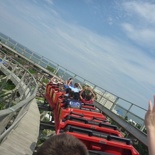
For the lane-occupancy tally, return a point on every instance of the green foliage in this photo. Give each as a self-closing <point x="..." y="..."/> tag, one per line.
<point x="46" y="119"/>
<point x="138" y="126"/>
<point x="40" y="98"/>
<point x="44" y="134"/>
<point x="126" y="118"/>
<point x="145" y="131"/>
<point x="42" y="137"/>
<point x="141" y="149"/>
<point x="51" y="69"/>
<point x="32" y="71"/>
<point x="9" y="85"/>
<point x="45" y="80"/>
<point x="1" y="106"/>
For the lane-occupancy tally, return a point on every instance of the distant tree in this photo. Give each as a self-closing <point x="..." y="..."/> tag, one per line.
<point x="51" y="69"/>
<point x="138" y="126"/>
<point x="126" y="118"/>
<point x="141" y="149"/>
<point x="145" y="131"/>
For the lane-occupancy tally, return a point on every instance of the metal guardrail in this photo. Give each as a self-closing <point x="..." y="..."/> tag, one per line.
<point x="25" y="85"/>
<point x="118" y="105"/>
<point x="140" y="136"/>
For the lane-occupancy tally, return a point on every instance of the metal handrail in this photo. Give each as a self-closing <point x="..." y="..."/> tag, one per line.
<point x="15" y="113"/>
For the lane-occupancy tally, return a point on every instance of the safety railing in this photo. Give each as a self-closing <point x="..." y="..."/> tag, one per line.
<point x="118" y="105"/>
<point x="15" y="106"/>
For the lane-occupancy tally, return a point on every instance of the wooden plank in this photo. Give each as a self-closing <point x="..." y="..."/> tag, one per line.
<point x="22" y="140"/>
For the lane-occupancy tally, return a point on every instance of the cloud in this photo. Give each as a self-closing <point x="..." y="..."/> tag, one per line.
<point x="142" y="9"/>
<point x="141" y="27"/>
<point x="144" y="36"/>
<point x="49" y="1"/>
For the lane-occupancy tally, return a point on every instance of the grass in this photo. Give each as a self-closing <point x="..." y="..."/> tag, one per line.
<point x="32" y="71"/>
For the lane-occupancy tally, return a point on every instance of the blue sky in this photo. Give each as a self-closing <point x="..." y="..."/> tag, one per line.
<point x="109" y="42"/>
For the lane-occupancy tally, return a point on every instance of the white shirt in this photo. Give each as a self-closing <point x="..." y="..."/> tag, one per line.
<point x="76" y="90"/>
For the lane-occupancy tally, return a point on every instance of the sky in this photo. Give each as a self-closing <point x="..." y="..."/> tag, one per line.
<point x="109" y="42"/>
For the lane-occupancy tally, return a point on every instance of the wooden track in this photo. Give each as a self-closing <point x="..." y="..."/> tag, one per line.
<point x="22" y="140"/>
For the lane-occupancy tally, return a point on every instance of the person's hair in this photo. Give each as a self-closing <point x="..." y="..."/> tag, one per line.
<point x="68" y="90"/>
<point x="83" y="94"/>
<point x="71" y="94"/>
<point x="62" y="144"/>
<point x="76" y="95"/>
<point x="76" y="85"/>
<point x="88" y="97"/>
